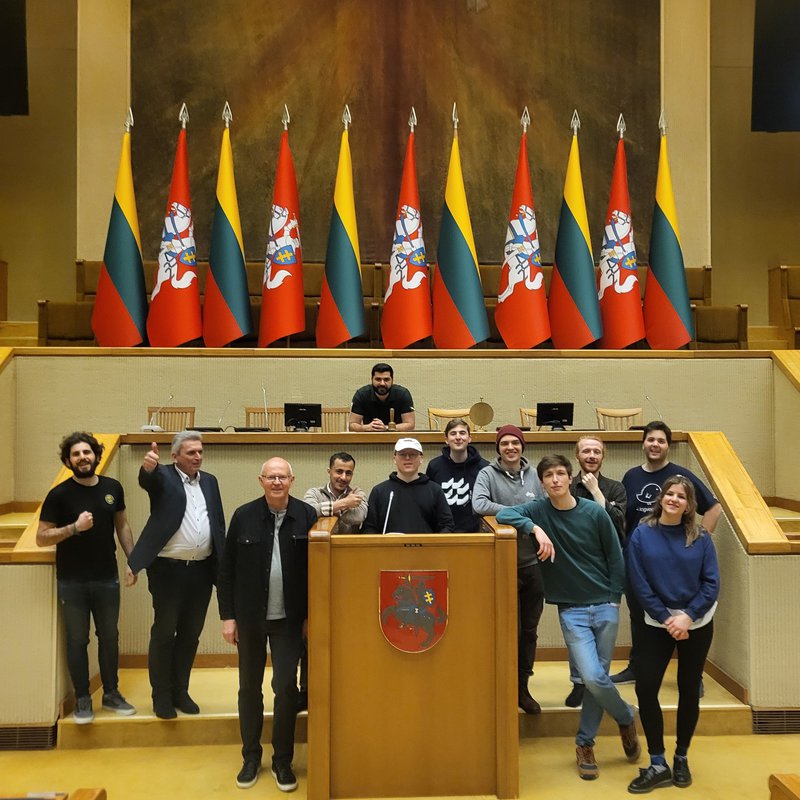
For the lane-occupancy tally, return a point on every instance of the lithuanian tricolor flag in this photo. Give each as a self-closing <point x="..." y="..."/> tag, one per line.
<point x="226" y="311"/>
<point x="459" y="313"/>
<point x="574" y="311"/>
<point x="341" y="308"/>
<point x="667" y="313"/>
<point x="120" y="311"/>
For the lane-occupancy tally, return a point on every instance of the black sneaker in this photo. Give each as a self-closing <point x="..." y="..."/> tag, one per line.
<point x="626" y="676"/>
<point x="527" y="702"/>
<point x="650" y="778"/>
<point x="575" y="697"/>
<point x="302" y="700"/>
<point x="248" y="774"/>
<point x="284" y="777"/>
<point x="83" y="713"/>
<point x="681" y="776"/>
<point x="114" y="701"/>
<point x="185" y="704"/>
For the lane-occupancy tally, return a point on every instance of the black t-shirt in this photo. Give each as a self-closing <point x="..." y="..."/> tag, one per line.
<point x="367" y="404"/>
<point x="90" y="555"/>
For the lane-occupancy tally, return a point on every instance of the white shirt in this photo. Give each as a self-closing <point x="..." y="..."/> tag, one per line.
<point x="192" y="541"/>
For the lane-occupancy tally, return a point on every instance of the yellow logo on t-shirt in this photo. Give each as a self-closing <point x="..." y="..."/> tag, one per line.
<point x="110" y="499"/>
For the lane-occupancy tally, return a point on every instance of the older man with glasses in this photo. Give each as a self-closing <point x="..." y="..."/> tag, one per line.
<point x="409" y="502"/>
<point x="263" y="598"/>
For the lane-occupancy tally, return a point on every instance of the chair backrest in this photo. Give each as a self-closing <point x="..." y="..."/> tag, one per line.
<point x="527" y="416"/>
<point x="618" y="419"/>
<point x="256" y="417"/>
<point x="720" y="327"/>
<point x="336" y="419"/>
<point x="439" y="417"/>
<point x="171" y="418"/>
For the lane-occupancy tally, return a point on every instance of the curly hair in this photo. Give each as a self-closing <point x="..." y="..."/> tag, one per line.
<point x="689" y="519"/>
<point x="68" y="442"/>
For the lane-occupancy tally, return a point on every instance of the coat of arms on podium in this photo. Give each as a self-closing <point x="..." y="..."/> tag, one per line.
<point x="412" y="608"/>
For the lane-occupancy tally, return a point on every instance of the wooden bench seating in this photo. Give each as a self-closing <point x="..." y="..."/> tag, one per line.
<point x="68" y="323"/>
<point x="784" y="302"/>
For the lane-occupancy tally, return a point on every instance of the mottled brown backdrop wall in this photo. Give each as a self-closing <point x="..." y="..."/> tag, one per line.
<point x="381" y="57"/>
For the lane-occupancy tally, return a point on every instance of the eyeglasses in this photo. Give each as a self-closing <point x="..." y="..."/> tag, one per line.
<point x="409" y="454"/>
<point x="276" y="478"/>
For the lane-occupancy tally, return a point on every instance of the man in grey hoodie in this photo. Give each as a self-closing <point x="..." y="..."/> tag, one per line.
<point x="508" y="481"/>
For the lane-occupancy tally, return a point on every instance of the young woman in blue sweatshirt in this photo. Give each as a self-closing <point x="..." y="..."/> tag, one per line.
<point x="672" y="568"/>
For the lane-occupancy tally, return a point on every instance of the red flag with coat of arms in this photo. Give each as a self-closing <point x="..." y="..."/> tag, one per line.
<point x="618" y="288"/>
<point x="282" y="301"/>
<point x="174" y="317"/>
<point x="407" y="316"/>
<point x="521" y="313"/>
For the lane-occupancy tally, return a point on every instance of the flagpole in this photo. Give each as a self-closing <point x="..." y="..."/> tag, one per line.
<point x="286" y="117"/>
<point x="183" y="116"/>
<point x="128" y="124"/>
<point x="347" y="117"/>
<point x="455" y="119"/>
<point x="227" y="116"/>
<point x="525" y="120"/>
<point x="412" y="119"/>
<point x="662" y="123"/>
<point x="575" y="122"/>
<point x="621" y="126"/>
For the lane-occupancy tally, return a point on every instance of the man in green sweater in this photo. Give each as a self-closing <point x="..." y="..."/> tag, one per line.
<point x="584" y="575"/>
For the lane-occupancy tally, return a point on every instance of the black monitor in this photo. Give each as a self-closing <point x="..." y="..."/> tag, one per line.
<point x="557" y="415"/>
<point x="302" y="416"/>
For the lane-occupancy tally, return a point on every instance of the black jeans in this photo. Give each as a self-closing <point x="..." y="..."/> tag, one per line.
<point x="181" y="593"/>
<point x="637" y="624"/>
<point x="79" y="600"/>
<point x="530" y="604"/>
<point x="655" y="648"/>
<point x="285" y="645"/>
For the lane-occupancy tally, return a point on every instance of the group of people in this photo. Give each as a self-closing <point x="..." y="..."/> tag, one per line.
<point x="582" y="542"/>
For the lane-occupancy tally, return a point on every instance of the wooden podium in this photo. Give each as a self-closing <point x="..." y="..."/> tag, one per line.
<point x="388" y="723"/>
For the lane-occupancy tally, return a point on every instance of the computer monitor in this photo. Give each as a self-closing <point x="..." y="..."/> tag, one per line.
<point x="557" y="415"/>
<point x="302" y="416"/>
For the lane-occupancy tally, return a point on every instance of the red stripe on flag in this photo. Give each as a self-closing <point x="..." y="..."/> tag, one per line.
<point x="568" y="328"/>
<point x="331" y="330"/>
<point x="449" y="329"/>
<point x="220" y="326"/>
<point x="663" y="325"/>
<point x="111" y="322"/>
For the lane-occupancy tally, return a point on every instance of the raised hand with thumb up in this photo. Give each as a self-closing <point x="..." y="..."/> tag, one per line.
<point x="151" y="458"/>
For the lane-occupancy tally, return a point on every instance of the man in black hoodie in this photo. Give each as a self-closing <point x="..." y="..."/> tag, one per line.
<point x="455" y="471"/>
<point x="408" y="502"/>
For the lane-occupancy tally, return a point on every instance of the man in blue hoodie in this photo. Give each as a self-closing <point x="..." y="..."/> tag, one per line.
<point x="455" y="470"/>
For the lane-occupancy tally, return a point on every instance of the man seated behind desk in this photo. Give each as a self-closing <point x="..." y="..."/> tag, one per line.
<point x="408" y="502"/>
<point x="373" y="402"/>
<point x="338" y="498"/>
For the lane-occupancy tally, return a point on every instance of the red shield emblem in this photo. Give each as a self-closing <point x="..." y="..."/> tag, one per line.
<point x="412" y="608"/>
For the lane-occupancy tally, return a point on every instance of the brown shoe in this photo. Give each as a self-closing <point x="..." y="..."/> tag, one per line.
<point x="527" y="702"/>
<point x="630" y="741"/>
<point x="587" y="766"/>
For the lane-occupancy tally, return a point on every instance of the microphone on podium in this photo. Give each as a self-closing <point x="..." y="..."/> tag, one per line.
<point x="151" y="426"/>
<point x="388" y="509"/>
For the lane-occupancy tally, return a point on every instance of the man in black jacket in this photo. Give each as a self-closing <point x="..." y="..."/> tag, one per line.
<point x="263" y="597"/>
<point x="408" y="502"/>
<point x="180" y="547"/>
<point x="455" y="471"/>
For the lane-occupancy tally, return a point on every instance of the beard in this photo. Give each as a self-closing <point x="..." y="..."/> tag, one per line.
<point x="84" y="471"/>
<point x="381" y="390"/>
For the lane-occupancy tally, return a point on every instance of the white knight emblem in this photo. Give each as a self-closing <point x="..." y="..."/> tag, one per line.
<point x="408" y="251"/>
<point x="618" y="257"/>
<point x="282" y="246"/>
<point x="522" y="257"/>
<point x="177" y="250"/>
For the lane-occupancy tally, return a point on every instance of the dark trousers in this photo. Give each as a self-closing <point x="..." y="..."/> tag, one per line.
<point x="181" y="592"/>
<point x="637" y="624"/>
<point x="530" y="604"/>
<point x="100" y="600"/>
<point x="285" y="644"/>
<point x="655" y="650"/>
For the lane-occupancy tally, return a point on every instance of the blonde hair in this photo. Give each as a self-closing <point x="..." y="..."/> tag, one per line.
<point x="689" y="518"/>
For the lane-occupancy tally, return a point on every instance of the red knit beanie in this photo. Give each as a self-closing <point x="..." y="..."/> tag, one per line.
<point x="509" y="430"/>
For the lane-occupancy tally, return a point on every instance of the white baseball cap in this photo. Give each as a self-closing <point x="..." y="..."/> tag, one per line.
<point x="407" y="443"/>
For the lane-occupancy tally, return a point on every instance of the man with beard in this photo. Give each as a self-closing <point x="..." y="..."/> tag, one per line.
<point x="455" y="470"/>
<point x="338" y="498"/>
<point x="80" y="517"/>
<point x="591" y="484"/>
<point x="372" y="403"/>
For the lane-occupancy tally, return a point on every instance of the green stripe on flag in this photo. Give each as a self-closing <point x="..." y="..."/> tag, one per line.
<point x="344" y="276"/>
<point x="229" y="275"/>
<point x="666" y="262"/>
<point x="460" y="275"/>
<point x="124" y="264"/>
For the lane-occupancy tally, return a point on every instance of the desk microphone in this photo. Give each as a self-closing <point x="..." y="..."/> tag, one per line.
<point x="219" y="421"/>
<point x="388" y="509"/>
<point x="650" y="400"/>
<point x="264" y="393"/>
<point x="151" y="426"/>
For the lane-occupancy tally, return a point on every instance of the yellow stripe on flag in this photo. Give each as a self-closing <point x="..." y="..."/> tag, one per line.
<point x="226" y="187"/>
<point x="343" y="198"/>
<point x="123" y="191"/>
<point x="665" y="198"/>
<point x="455" y="198"/>
<point x="573" y="191"/>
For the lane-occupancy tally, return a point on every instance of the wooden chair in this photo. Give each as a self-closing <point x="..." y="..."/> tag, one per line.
<point x="439" y="417"/>
<point x="336" y="419"/>
<point x="618" y="419"/>
<point x="719" y="327"/>
<point x="256" y="417"/>
<point x="527" y="417"/>
<point x="171" y="418"/>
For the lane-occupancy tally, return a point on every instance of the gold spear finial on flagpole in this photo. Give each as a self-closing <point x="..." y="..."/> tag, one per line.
<point x="575" y="123"/>
<point x="129" y="120"/>
<point x="183" y="116"/>
<point x="412" y="119"/>
<point x="525" y="119"/>
<point x="347" y="117"/>
<point x="621" y="126"/>
<point x="455" y="118"/>
<point x="227" y="116"/>
<point x="286" y="117"/>
<point x="662" y="123"/>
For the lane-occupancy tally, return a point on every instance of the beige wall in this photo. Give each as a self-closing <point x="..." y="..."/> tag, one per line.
<point x="8" y="416"/>
<point x="787" y="454"/>
<point x="38" y="163"/>
<point x="754" y="176"/>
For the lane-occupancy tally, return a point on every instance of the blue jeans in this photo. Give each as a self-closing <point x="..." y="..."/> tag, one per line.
<point x="590" y="633"/>
<point x="79" y="600"/>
